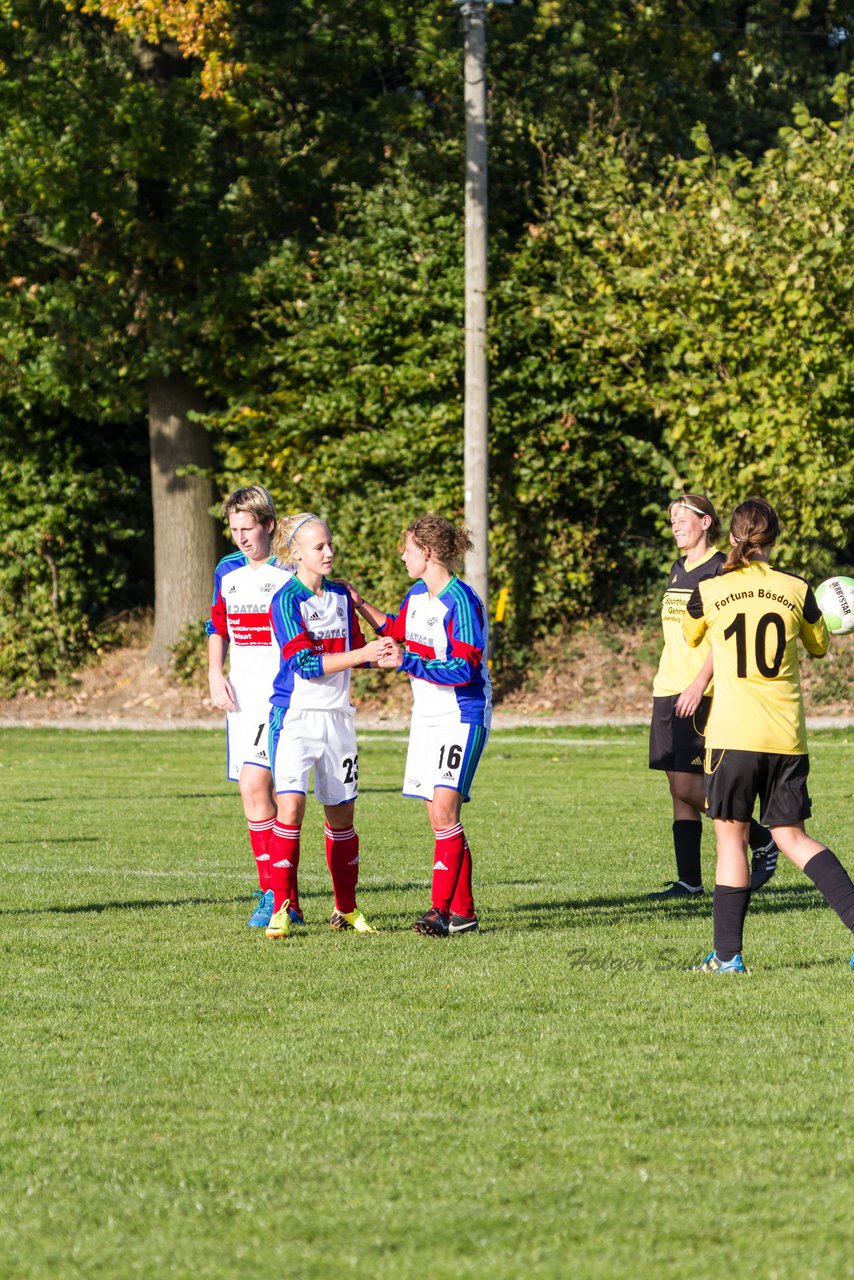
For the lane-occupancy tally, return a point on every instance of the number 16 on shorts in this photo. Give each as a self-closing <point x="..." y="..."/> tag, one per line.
<point x="442" y="755"/>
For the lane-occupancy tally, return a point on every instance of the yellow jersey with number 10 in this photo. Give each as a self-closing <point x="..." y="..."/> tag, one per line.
<point x="753" y="618"/>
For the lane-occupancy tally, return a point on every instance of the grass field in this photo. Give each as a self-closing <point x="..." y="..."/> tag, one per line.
<point x="555" y="1097"/>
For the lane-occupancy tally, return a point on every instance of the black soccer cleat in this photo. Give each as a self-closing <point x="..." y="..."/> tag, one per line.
<point x="433" y="924"/>
<point x="463" y="924"/>
<point x="677" y="890"/>
<point x="763" y="864"/>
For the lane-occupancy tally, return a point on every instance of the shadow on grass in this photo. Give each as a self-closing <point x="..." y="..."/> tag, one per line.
<point x="84" y="908"/>
<point x="44" y="840"/>
<point x="196" y="795"/>
<point x="567" y="913"/>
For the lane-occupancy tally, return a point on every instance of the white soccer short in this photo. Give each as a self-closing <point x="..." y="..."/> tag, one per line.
<point x="246" y="733"/>
<point x="442" y="753"/>
<point x="324" y="741"/>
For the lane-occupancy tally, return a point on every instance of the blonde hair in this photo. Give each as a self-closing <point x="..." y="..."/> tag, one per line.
<point x="288" y="534"/>
<point x="755" y="527"/>
<point x="448" y="543"/>
<point x="255" y="500"/>
<point x="701" y="506"/>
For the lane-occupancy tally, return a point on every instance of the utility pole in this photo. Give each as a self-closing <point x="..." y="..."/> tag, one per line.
<point x="476" y="448"/>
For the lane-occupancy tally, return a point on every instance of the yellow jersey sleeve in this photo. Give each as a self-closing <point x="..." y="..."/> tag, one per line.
<point x="814" y="634"/>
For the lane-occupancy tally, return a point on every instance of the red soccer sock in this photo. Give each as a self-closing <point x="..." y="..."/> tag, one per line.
<point x="342" y="858"/>
<point x="462" y="903"/>
<point x="259" y="839"/>
<point x="284" y="861"/>
<point x="447" y="863"/>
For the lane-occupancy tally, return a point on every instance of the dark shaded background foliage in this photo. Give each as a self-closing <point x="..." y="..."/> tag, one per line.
<point x="670" y="303"/>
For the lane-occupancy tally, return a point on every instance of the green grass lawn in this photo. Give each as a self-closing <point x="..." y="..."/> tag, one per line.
<point x="554" y="1097"/>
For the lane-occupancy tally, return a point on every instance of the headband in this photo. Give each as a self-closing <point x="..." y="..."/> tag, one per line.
<point x="306" y="520"/>
<point x="682" y="502"/>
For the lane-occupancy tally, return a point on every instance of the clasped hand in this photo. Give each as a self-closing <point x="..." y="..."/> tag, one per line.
<point x="383" y="651"/>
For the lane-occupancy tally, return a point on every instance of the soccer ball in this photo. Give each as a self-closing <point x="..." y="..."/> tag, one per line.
<point x="836" y="600"/>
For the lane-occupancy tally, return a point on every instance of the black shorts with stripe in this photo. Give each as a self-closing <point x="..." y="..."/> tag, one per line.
<point x="734" y="780"/>
<point x="676" y="743"/>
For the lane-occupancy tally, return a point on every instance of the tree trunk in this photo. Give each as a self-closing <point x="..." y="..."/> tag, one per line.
<point x="185" y="534"/>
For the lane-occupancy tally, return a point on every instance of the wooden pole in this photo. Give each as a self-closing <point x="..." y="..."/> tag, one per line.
<point x="476" y="422"/>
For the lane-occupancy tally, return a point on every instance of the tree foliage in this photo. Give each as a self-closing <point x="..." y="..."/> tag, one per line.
<point x="717" y="303"/>
<point x="266" y="205"/>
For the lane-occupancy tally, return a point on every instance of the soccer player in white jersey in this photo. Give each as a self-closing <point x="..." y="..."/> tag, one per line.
<point x="440" y="636"/>
<point x="311" y="724"/>
<point x="245" y="582"/>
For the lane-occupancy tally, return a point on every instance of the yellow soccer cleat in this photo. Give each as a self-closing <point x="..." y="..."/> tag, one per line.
<point x="280" y="921"/>
<point x="341" y="921"/>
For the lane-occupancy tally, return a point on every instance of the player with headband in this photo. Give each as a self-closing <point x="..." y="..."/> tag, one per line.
<point x="681" y="701"/>
<point x="311" y="723"/>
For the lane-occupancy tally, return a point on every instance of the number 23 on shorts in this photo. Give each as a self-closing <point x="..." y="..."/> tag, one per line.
<point x="350" y="765"/>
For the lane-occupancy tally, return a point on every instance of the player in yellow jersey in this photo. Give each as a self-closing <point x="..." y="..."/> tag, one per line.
<point x="681" y="701"/>
<point x="753" y="616"/>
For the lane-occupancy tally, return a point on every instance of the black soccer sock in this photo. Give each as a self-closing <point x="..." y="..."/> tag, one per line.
<point x="759" y="837"/>
<point x="730" y="908"/>
<point x="687" y="839"/>
<point x="833" y="881"/>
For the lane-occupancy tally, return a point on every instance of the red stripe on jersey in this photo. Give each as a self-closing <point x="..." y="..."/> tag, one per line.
<point x="296" y="645"/>
<point x="466" y="651"/>
<point x="337" y="644"/>
<point x="422" y="650"/>
<point x="396" y="627"/>
<point x="459" y="648"/>
<point x="357" y="640"/>
<point x="332" y="644"/>
<point x="219" y="619"/>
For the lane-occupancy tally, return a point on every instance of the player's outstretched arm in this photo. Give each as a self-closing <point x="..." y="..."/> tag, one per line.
<point x="375" y="617"/>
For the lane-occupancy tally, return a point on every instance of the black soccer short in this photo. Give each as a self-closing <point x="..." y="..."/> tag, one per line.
<point x="734" y="779"/>
<point x="676" y="743"/>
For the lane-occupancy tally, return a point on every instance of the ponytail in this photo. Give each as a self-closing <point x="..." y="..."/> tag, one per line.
<point x="754" y="527"/>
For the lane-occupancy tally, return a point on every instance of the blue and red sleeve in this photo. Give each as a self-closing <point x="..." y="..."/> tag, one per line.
<point x="464" y="630"/>
<point x="357" y="640"/>
<point x="395" y="623"/>
<point x="298" y="650"/>
<point x="217" y="624"/>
